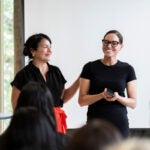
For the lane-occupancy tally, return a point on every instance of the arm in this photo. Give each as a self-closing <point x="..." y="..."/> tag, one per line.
<point x="14" y="97"/>
<point x="129" y="101"/>
<point x="70" y="92"/>
<point x="84" y="97"/>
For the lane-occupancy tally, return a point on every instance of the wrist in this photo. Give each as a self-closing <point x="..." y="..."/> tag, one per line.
<point x="102" y="95"/>
<point x="118" y="97"/>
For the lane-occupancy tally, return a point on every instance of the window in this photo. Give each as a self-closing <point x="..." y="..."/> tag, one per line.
<point x="6" y="56"/>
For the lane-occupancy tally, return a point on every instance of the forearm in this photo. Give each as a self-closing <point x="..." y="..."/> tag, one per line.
<point x="13" y="103"/>
<point x="89" y="99"/>
<point x="70" y="92"/>
<point x="129" y="102"/>
<point x="14" y="97"/>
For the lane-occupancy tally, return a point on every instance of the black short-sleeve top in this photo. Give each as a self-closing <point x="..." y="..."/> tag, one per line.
<point x="113" y="77"/>
<point x="55" y="80"/>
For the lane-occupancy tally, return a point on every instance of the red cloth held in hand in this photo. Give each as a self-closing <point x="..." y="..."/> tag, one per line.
<point x="60" y="119"/>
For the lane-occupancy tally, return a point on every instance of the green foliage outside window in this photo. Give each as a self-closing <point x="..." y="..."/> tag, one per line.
<point x="8" y="51"/>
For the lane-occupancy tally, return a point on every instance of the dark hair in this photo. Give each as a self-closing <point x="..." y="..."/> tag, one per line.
<point x="37" y="95"/>
<point x="32" y="43"/>
<point x="117" y="33"/>
<point x="29" y="129"/>
<point x="95" y="135"/>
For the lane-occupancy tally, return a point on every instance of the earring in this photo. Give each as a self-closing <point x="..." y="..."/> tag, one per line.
<point x="33" y="55"/>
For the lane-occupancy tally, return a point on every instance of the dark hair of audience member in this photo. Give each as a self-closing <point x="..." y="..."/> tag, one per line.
<point x="95" y="135"/>
<point x="29" y="129"/>
<point x="37" y="95"/>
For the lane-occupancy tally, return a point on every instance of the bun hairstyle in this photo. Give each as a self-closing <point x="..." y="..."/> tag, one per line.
<point x="32" y="43"/>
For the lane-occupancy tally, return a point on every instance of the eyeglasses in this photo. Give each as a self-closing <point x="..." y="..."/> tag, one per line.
<point x="113" y="43"/>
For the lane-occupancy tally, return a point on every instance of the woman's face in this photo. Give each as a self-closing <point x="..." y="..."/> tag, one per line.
<point x="111" y="45"/>
<point x="43" y="51"/>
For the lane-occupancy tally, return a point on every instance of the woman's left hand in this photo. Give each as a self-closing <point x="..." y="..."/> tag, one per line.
<point x="110" y="98"/>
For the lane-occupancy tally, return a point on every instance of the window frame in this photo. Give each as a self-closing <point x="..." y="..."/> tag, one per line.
<point x="1" y="56"/>
<point x="19" y="61"/>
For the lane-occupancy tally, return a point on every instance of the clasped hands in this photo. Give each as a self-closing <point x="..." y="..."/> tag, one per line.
<point x="109" y="98"/>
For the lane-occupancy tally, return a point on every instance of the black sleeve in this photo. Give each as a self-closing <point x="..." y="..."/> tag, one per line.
<point x="86" y="71"/>
<point x="61" y="75"/>
<point x="19" y="80"/>
<point x="131" y="74"/>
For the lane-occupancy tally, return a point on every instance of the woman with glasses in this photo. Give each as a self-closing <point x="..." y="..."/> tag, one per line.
<point x="103" y="83"/>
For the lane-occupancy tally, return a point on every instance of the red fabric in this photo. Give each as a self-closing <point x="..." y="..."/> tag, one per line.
<point x="60" y="120"/>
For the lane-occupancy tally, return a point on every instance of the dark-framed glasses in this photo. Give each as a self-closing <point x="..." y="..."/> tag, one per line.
<point x="113" y="43"/>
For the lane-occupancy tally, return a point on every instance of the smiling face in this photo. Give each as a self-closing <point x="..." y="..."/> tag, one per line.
<point x="43" y="51"/>
<point x="111" y="45"/>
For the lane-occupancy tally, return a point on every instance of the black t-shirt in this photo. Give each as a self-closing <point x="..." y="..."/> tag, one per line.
<point x="113" y="77"/>
<point x="55" y="81"/>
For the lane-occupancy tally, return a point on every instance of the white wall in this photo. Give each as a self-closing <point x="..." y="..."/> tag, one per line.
<point x="76" y="28"/>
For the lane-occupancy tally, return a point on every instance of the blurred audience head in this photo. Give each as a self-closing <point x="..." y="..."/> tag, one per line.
<point x="133" y="143"/>
<point x="29" y="129"/>
<point x="37" y="95"/>
<point x="94" y="136"/>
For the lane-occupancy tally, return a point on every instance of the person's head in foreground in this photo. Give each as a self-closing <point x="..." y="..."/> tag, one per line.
<point x="29" y="129"/>
<point x="132" y="144"/>
<point x="37" y="95"/>
<point x="95" y="135"/>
